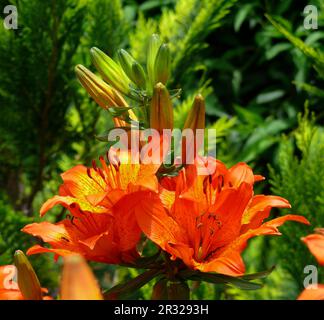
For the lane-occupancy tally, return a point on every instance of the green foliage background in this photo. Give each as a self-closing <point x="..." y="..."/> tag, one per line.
<point x="256" y="71"/>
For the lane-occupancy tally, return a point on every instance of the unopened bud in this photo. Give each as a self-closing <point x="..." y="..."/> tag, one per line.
<point x="162" y="64"/>
<point x="196" y="117"/>
<point x="153" y="48"/>
<point x="132" y="68"/>
<point x="103" y="94"/>
<point x="196" y="123"/>
<point x="161" y="112"/>
<point x="111" y="71"/>
<point x="27" y="279"/>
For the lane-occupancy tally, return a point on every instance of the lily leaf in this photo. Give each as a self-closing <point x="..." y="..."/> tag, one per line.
<point x="220" y="279"/>
<point x="121" y="291"/>
<point x="258" y="275"/>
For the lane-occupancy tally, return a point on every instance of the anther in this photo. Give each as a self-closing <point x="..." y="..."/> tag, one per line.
<point x="89" y="173"/>
<point x="94" y="165"/>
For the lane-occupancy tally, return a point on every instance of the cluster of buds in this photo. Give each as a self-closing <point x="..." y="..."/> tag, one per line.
<point x="136" y="96"/>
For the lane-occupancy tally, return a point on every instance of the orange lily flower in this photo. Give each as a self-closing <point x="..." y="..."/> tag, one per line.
<point x="315" y="244"/>
<point x="102" y="202"/>
<point x="207" y="220"/>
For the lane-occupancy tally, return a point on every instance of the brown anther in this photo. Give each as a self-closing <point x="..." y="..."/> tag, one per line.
<point x="89" y="173"/>
<point x="94" y="165"/>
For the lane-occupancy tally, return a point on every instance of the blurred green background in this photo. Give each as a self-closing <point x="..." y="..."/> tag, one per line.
<point x="263" y="80"/>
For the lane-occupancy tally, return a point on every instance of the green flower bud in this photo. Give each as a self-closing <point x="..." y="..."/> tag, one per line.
<point x="153" y="48"/>
<point x="27" y="279"/>
<point x="111" y="71"/>
<point x="162" y="64"/>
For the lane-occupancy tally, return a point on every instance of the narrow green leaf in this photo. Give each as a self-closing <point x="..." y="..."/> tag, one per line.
<point x="121" y="291"/>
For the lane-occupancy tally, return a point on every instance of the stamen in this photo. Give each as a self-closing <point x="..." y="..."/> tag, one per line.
<point x="89" y="173"/>
<point x="94" y="165"/>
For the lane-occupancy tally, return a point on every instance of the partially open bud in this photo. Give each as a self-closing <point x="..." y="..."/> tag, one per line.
<point x="162" y="64"/>
<point x="196" y="117"/>
<point x="100" y="91"/>
<point x="78" y="281"/>
<point x="111" y="71"/>
<point x="27" y="280"/>
<point x="132" y="68"/>
<point x="152" y="51"/>
<point x="161" y="112"/>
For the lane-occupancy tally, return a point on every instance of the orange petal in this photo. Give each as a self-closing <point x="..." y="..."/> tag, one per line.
<point x="157" y="224"/>
<point x="229" y="208"/>
<point x="259" y="209"/>
<point x="36" y="249"/>
<point x="55" y="234"/>
<point x="79" y="184"/>
<point x="231" y="264"/>
<point x="238" y="174"/>
<point x="258" y="178"/>
<point x="311" y="293"/>
<point x="72" y="204"/>
<point x="315" y="244"/>
<point x="229" y="257"/>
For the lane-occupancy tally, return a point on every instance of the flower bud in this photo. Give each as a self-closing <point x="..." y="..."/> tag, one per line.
<point x="78" y="281"/>
<point x="27" y="280"/>
<point x="110" y="71"/>
<point x="103" y="94"/>
<point x="162" y="64"/>
<point x="161" y="112"/>
<point x="196" y="117"/>
<point x="138" y="75"/>
<point x="132" y="68"/>
<point x="153" y="48"/>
